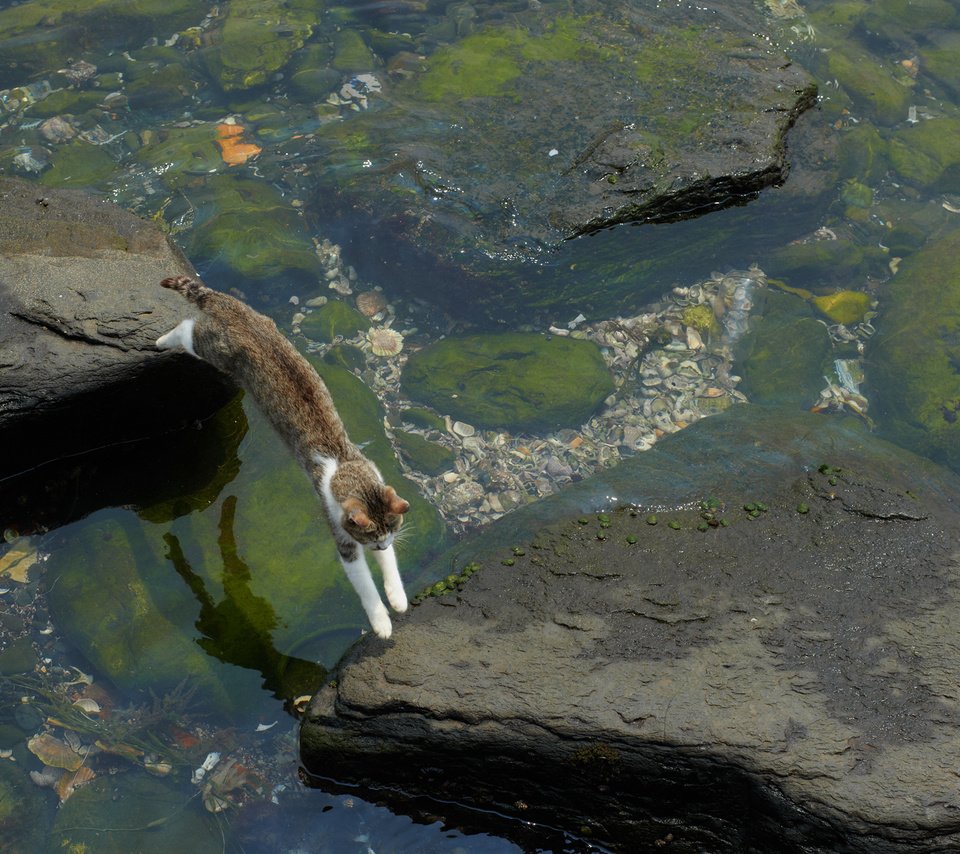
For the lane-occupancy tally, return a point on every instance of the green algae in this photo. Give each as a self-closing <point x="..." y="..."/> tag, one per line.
<point x="350" y="52"/>
<point x="333" y="320"/>
<point x="253" y="230"/>
<point x="782" y="360"/>
<point x="521" y="381"/>
<point x="80" y="164"/>
<point x="914" y="358"/>
<point x="259" y="38"/>
<point x="107" y="601"/>
<point x="928" y="154"/>
<point x="844" y="306"/>
<point x="180" y="155"/>
<point x="874" y="88"/>
<point x="105" y="816"/>
<point x="423" y="455"/>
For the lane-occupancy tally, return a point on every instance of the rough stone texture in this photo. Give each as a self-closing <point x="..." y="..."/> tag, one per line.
<point x="531" y="131"/>
<point x="786" y="682"/>
<point x="80" y="309"/>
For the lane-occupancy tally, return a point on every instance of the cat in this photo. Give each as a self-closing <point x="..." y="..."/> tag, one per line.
<point x="361" y="510"/>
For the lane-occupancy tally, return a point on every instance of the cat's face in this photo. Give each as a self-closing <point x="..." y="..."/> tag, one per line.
<point x="373" y="519"/>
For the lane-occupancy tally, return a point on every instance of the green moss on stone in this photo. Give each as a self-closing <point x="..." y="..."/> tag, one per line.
<point x="519" y="381"/>
<point x="253" y="230"/>
<point x="914" y="358"/>
<point x="843" y="306"/>
<point x="259" y="38"/>
<point x="782" y="360"/>
<point x="350" y="52"/>
<point x="421" y="417"/>
<point x="928" y="154"/>
<point x="424" y="455"/>
<point x="334" y="319"/>
<point x="872" y="86"/>
<point x="79" y="164"/>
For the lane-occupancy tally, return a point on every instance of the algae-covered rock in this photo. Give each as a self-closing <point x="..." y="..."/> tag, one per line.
<point x="520" y="381"/>
<point x="108" y="570"/>
<point x="107" y="814"/>
<point x="824" y="263"/>
<point x="843" y="306"/>
<point x="874" y="88"/>
<point x="46" y="34"/>
<point x="424" y="455"/>
<point x="254" y="231"/>
<point x="782" y="360"/>
<point x="472" y="163"/>
<point x="928" y="154"/>
<point x="309" y="74"/>
<point x="914" y="359"/>
<point x="863" y="154"/>
<point x="181" y="155"/>
<point x="80" y="165"/>
<point x="333" y="319"/>
<point x="351" y="52"/>
<point x="258" y="39"/>
<point x="22" y="810"/>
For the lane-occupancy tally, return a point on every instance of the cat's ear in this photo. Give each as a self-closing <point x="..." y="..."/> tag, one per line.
<point x="395" y="504"/>
<point x="356" y="513"/>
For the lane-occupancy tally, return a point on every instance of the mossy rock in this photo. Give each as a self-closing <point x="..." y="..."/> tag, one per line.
<point x="66" y="101"/>
<point x="872" y="86"/>
<point x="515" y="380"/>
<point x="46" y="34"/>
<point x="116" y="815"/>
<point x="350" y="52"/>
<point x="419" y="416"/>
<point x="899" y="19"/>
<point x="914" y="359"/>
<point x="181" y="155"/>
<point x="939" y="59"/>
<point x="259" y="38"/>
<point x="22" y="808"/>
<point x="310" y="76"/>
<point x="424" y="455"/>
<point x="333" y="319"/>
<point x="253" y="230"/>
<point x="108" y="571"/>
<point x="824" y="263"/>
<point x="783" y="359"/>
<point x="166" y="88"/>
<point x="863" y="154"/>
<point x="843" y="306"/>
<point x="346" y="356"/>
<point x="928" y="154"/>
<point x="81" y="165"/>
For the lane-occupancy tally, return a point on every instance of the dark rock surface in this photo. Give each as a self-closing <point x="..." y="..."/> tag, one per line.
<point x="785" y="682"/>
<point x="543" y="126"/>
<point x="80" y="309"/>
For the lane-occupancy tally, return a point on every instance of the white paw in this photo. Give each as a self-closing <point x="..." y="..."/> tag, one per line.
<point x="380" y="623"/>
<point x="397" y="597"/>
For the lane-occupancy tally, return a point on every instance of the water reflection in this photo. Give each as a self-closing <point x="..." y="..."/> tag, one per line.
<point x="238" y="629"/>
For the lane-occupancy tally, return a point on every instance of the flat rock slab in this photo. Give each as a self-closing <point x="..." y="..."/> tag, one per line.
<point x="80" y="310"/>
<point x="782" y="681"/>
<point x="543" y="126"/>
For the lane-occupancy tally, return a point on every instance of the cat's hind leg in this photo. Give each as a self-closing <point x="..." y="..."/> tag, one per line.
<point x="180" y="336"/>
<point x="359" y="574"/>
<point x="392" y="583"/>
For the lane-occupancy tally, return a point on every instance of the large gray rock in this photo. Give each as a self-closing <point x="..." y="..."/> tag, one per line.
<point x="786" y="682"/>
<point x="80" y="309"/>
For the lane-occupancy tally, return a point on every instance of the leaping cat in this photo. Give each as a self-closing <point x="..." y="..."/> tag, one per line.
<point x="360" y="509"/>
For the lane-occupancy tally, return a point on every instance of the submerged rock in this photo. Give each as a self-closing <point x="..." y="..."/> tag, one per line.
<point x="520" y="135"/>
<point x="773" y="669"/>
<point x="80" y="309"/>
<point x="518" y="380"/>
<point x="914" y="359"/>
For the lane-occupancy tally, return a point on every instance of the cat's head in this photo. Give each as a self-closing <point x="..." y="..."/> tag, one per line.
<point x="374" y="517"/>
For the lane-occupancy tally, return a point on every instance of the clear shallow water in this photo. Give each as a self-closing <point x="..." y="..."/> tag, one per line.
<point x="231" y="581"/>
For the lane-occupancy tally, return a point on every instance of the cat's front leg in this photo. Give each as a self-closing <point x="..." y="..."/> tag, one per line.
<point x="355" y="566"/>
<point x="392" y="583"/>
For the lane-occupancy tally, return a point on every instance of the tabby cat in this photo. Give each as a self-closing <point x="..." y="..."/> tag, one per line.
<point x="360" y="509"/>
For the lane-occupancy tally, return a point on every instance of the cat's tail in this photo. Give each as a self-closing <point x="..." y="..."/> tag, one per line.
<point x="189" y="287"/>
